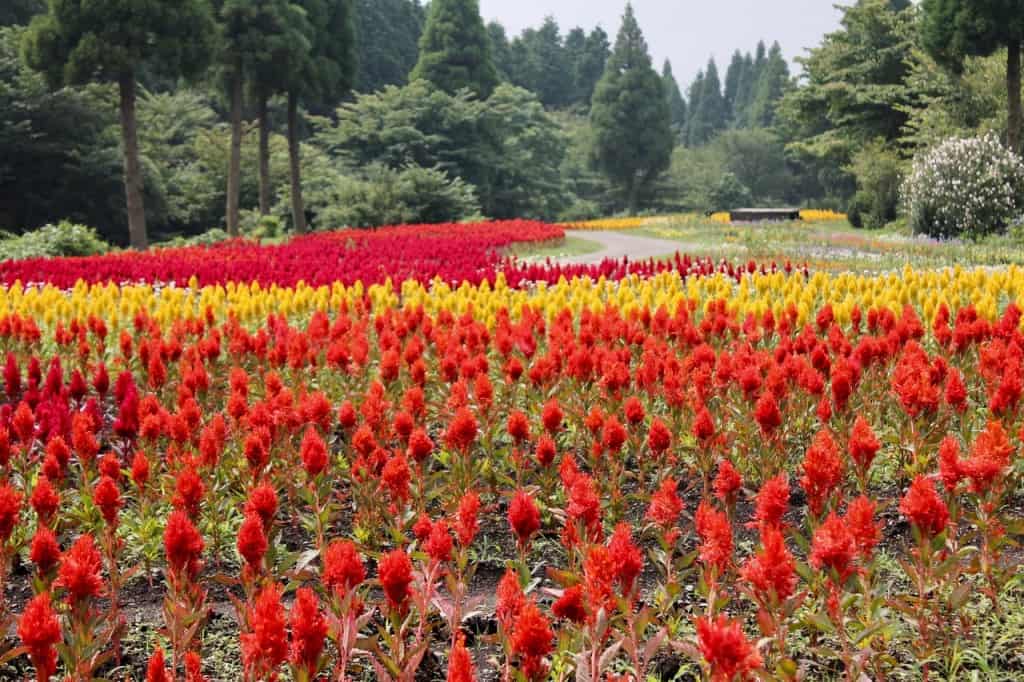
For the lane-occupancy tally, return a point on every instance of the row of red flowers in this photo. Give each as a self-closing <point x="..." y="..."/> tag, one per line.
<point x="667" y="484"/>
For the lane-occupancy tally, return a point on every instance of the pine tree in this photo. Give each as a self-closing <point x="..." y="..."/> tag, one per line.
<point x="592" y="64"/>
<point x="79" y="41"/>
<point x="501" y="50"/>
<point x="676" y="103"/>
<point x="455" y="50"/>
<point x="955" y="29"/>
<point x="630" y="116"/>
<point x="387" y="42"/>
<point x="19" y="12"/>
<point x="771" y="86"/>
<point x="693" y="96"/>
<point x="709" y="115"/>
<point x="745" y="89"/>
<point x="732" y="83"/>
<point x="550" y="66"/>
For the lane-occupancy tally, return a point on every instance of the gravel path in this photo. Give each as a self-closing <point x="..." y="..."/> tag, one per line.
<point x="619" y="244"/>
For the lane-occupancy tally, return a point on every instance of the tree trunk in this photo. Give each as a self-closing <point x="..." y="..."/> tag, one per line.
<point x="235" y="164"/>
<point x="264" y="154"/>
<point x="132" y="165"/>
<point x="298" y="208"/>
<point x="1013" y="121"/>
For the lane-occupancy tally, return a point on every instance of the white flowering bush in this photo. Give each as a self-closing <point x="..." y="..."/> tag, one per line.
<point x="965" y="187"/>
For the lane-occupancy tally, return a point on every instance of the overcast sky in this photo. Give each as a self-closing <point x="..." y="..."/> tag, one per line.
<point x="685" y="31"/>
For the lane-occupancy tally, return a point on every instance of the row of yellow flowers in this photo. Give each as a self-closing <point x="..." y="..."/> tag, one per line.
<point x="989" y="291"/>
<point x="806" y="215"/>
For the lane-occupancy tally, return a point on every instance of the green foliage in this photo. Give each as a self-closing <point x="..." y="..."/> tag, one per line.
<point x="879" y="172"/>
<point x="756" y="157"/>
<point x="730" y="193"/>
<point x="772" y="84"/>
<point x="708" y="113"/>
<point x="63" y="239"/>
<point x="954" y="29"/>
<point x="20" y="12"/>
<point x="676" y="103"/>
<point x="630" y="116"/>
<point x="455" y="50"/>
<point x="387" y="41"/>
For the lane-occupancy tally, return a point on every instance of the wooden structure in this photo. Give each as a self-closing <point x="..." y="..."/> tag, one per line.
<point x="756" y="215"/>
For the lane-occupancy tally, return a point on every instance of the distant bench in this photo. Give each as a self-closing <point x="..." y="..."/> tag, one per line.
<point x="754" y="215"/>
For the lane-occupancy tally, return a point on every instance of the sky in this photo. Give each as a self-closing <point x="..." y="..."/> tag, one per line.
<point x="687" y="32"/>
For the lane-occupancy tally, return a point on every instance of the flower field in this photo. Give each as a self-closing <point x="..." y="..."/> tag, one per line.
<point x="401" y="455"/>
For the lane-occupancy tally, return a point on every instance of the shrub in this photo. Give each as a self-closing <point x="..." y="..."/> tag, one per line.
<point x="965" y="187"/>
<point x="878" y="172"/>
<point x="730" y="193"/>
<point x="63" y="239"/>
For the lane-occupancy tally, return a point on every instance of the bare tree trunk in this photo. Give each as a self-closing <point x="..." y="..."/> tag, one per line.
<point x="264" y="153"/>
<point x="235" y="164"/>
<point x="298" y="208"/>
<point x="1013" y="121"/>
<point x="132" y="165"/>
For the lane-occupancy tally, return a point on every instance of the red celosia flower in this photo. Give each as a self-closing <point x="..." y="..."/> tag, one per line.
<point x="834" y="546"/>
<point x="594" y="420"/>
<point x="466" y="524"/>
<point x="182" y="544"/>
<point x="518" y="426"/>
<point x="728" y="482"/>
<point x="772" y="501"/>
<point x="772" y="570"/>
<point x="716" y="537"/>
<point x="256" y="450"/>
<point x="23" y="423"/>
<point x="107" y="497"/>
<point x="863" y="444"/>
<point x="45" y="552"/>
<point x="396" y="477"/>
<point x="523" y="517"/>
<point x="462" y="430"/>
<point x="860" y="517"/>
<point x="313" y="452"/>
<point x="703" y="425"/>
<point x="39" y="630"/>
<point x="140" y="469"/>
<point x="956" y="391"/>
<point x="420" y="445"/>
<point x="343" y="569"/>
<point x="395" y="575"/>
<point x="110" y="465"/>
<point x="189" y="491"/>
<point x="45" y="500"/>
<point x="823" y="471"/>
<point x="626" y="557"/>
<point x="599" y="578"/>
<point x="924" y="508"/>
<point x="613" y="434"/>
<point x="82" y="438"/>
<point x="532" y="641"/>
<point x="193" y="668"/>
<point x="659" y="438"/>
<point x="460" y="665"/>
<point x="570" y="606"/>
<point x="546" y="450"/>
<point x="767" y="414"/>
<point x="950" y="465"/>
<point x="156" y="669"/>
<point x="439" y="543"/>
<point x="421" y="529"/>
<point x="510" y="599"/>
<point x="989" y="459"/>
<point x="726" y="649"/>
<point x="634" y="410"/>
<point x="252" y="541"/>
<point x="80" y="571"/>
<point x="309" y="629"/>
<point x="665" y="506"/>
<point x="262" y="501"/>
<point x="584" y="504"/>
<point x="552" y="416"/>
<point x="265" y="646"/>
<point x="912" y="380"/>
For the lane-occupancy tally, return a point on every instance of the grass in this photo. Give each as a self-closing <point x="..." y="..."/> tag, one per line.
<point x="570" y="246"/>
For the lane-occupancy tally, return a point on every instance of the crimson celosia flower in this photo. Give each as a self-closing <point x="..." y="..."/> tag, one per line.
<point x="309" y="629"/>
<point x="956" y="391"/>
<point x="460" y="665"/>
<point x="823" y="471"/>
<point x="665" y="506"/>
<point x="989" y="458"/>
<point x="466" y="524"/>
<point x="833" y="546"/>
<point x="421" y="529"/>
<point x="140" y="469"/>
<point x="584" y="503"/>
<point x="262" y="501"/>
<point x="716" y="537"/>
<point x="193" y="668"/>
<point x="863" y="444"/>
<point x="313" y="452"/>
<point x="860" y="517"/>
<point x="518" y="426"/>
<point x="395" y="574"/>
<point x="510" y="599"/>
<point x="420" y="445"/>
<point x="523" y="517"/>
<point x="728" y="482"/>
<point x="39" y="631"/>
<point x="107" y="497"/>
<point x="626" y="557"/>
<point x="396" y="477"/>
<point x="189" y="491"/>
<point x="182" y="544"/>
<point x="772" y="570"/>
<point x="156" y="669"/>
<point x="252" y="541"/>
<point x="766" y="413"/>
<point x="343" y="569"/>
<point x="462" y="430"/>
<point x="633" y="409"/>
<point x="570" y="606"/>
<point x="546" y="450"/>
<point x="703" y="425"/>
<point x="45" y="500"/>
<point x="659" y="438"/>
<point x="80" y="571"/>
<point x="265" y="645"/>
<point x="532" y="641"/>
<point x="924" y="507"/>
<point x="552" y="416"/>
<point x="729" y="654"/>
<point x="110" y="465"/>
<point x="613" y="434"/>
<point x="950" y="465"/>
<point x="772" y="501"/>
<point x="599" y="578"/>
<point x="45" y="552"/>
<point x="439" y="543"/>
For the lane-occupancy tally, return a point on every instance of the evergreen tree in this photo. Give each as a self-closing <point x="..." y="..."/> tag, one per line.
<point x="708" y="117"/>
<point x="20" y="12"/>
<point x="676" y="103"/>
<point x="771" y="86"/>
<point x="745" y="88"/>
<point x="501" y="50"/>
<point x="575" y="46"/>
<point x="78" y="41"/>
<point x="732" y="83"/>
<point x="549" y="65"/>
<point x="455" y="50"/>
<point x="955" y="29"/>
<point x="630" y="116"/>
<point x="592" y="64"/>
<point x="693" y="96"/>
<point x="387" y="42"/>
